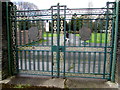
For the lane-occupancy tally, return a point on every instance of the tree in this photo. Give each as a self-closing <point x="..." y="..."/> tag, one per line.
<point x="25" y="6"/>
<point x="100" y="24"/>
<point x="26" y="17"/>
<point x="76" y="23"/>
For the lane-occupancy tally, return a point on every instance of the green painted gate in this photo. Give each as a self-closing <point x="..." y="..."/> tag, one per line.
<point x="64" y="42"/>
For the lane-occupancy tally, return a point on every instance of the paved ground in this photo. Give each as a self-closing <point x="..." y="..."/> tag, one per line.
<point x="62" y="83"/>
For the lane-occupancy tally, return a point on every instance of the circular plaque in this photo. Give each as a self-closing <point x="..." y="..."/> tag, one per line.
<point x="85" y="33"/>
<point x="33" y="33"/>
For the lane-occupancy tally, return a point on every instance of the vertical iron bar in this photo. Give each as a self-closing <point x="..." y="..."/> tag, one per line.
<point x="33" y="60"/>
<point x="20" y="36"/>
<point x="38" y="59"/>
<point x="74" y="38"/>
<point x="47" y="60"/>
<point x="43" y="33"/>
<point x="58" y="40"/>
<point x="28" y="31"/>
<point x="8" y="37"/>
<point x="64" y="40"/>
<point x="42" y="60"/>
<point x="75" y="29"/>
<point x="21" y="60"/>
<point x="79" y="58"/>
<point x="25" y="60"/>
<point x="84" y="62"/>
<point x="99" y="63"/>
<point x="69" y="33"/>
<point x="24" y="27"/>
<point x="69" y="56"/>
<point x="95" y="33"/>
<point x="91" y="33"/>
<point x="85" y="24"/>
<point x="94" y="66"/>
<point x="74" y="55"/>
<point x="101" y="32"/>
<point x="113" y="32"/>
<point x="79" y="34"/>
<point x="47" y="39"/>
<point x="89" y="61"/>
<point x="52" y="42"/>
<point x="29" y="60"/>
<point x="105" y="49"/>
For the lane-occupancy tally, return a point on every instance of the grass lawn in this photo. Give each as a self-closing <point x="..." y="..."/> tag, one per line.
<point x="97" y="38"/>
<point x="50" y="35"/>
<point x="37" y="42"/>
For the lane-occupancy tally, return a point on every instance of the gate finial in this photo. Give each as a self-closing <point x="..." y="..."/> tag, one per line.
<point x="58" y="4"/>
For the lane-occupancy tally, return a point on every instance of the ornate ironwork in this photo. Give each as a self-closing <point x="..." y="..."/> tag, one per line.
<point x="34" y="48"/>
<point x="13" y="35"/>
<point x="89" y="24"/>
<point x="88" y="49"/>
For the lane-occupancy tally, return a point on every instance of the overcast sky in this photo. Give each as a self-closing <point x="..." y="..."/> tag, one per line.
<point x="46" y="4"/>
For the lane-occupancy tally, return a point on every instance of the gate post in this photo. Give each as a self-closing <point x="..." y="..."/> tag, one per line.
<point x="115" y="43"/>
<point x="0" y="40"/>
<point x="117" y="73"/>
<point x="6" y="45"/>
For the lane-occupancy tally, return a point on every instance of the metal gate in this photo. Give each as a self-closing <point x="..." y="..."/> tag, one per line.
<point x="64" y="42"/>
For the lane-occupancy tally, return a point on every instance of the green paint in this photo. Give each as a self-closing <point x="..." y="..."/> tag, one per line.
<point x="75" y="62"/>
<point x="115" y="42"/>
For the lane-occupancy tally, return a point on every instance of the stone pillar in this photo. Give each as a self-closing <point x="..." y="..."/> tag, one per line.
<point x="117" y="75"/>
<point x="5" y="64"/>
<point x="0" y="40"/>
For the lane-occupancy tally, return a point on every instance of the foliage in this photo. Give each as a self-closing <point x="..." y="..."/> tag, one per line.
<point x="22" y="86"/>
<point x="96" y="24"/>
<point x="25" y="21"/>
<point x="25" y="24"/>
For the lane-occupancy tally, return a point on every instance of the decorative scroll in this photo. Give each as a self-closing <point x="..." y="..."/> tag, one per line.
<point x="34" y="48"/>
<point x="84" y="49"/>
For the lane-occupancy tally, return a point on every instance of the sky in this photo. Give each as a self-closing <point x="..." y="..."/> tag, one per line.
<point x="46" y="4"/>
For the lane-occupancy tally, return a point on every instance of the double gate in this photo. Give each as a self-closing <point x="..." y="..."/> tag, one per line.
<point x="64" y="42"/>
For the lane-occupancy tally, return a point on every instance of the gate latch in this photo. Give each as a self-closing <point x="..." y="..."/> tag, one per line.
<point x="61" y="48"/>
